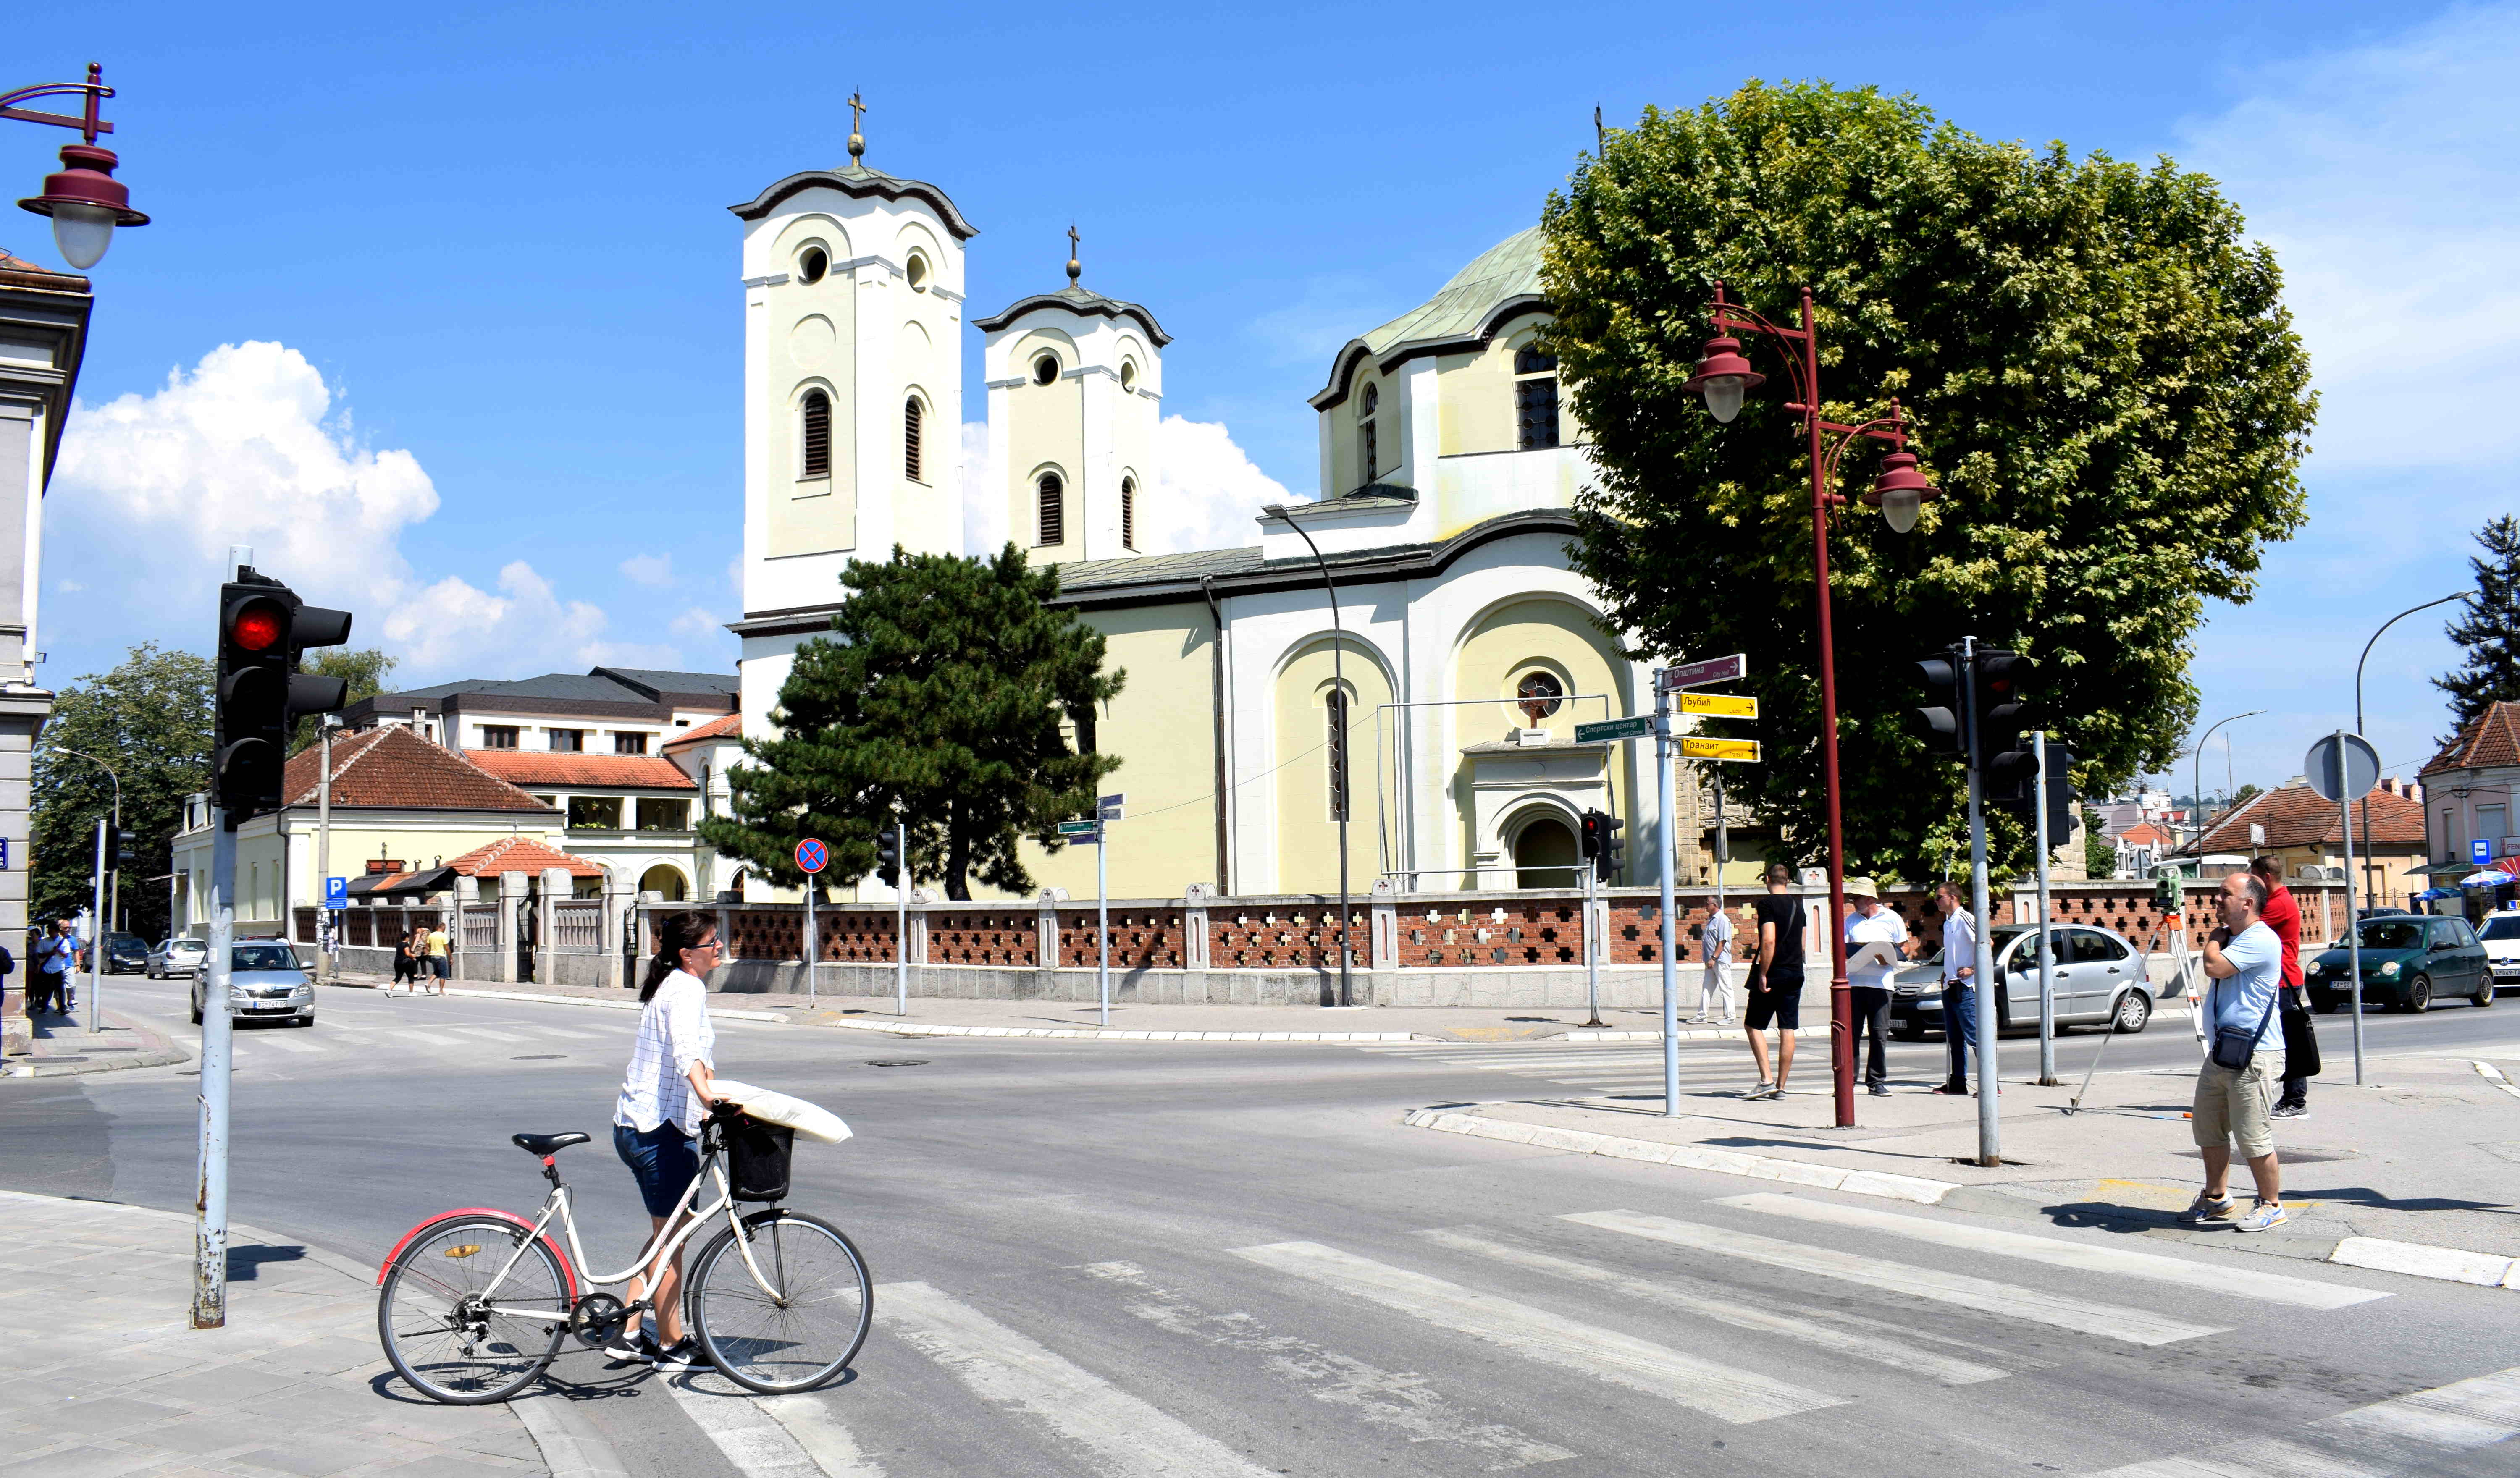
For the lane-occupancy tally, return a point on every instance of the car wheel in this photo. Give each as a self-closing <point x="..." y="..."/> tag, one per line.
<point x="2133" y="1013"/>
<point x="2483" y="996"/>
<point x="2419" y="994"/>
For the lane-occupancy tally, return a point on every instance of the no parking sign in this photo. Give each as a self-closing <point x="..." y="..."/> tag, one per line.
<point x="812" y="856"/>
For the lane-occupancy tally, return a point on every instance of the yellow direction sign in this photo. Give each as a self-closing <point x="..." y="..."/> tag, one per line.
<point x="1719" y="705"/>
<point x="1693" y="746"/>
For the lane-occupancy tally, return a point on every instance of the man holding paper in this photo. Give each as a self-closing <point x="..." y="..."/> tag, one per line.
<point x="1876" y="943"/>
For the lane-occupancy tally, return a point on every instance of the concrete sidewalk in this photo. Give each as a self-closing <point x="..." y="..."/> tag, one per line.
<point x="63" y="1046"/>
<point x="102" y="1379"/>
<point x="2424" y="1157"/>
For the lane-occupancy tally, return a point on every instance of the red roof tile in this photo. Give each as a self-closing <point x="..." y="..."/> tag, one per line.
<point x="397" y="769"/>
<point x="543" y="767"/>
<point x="2493" y="738"/>
<point x="520" y="853"/>
<point x="2296" y="816"/>
<point x="730" y="726"/>
<point x="2143" y="832"/>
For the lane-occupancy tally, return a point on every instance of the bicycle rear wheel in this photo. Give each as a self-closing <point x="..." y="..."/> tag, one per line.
<point x="806" y="1328"/>
<point x="453" y="1336"/>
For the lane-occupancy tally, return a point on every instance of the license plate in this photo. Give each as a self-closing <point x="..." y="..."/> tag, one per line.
<point x="270" y="1005"/>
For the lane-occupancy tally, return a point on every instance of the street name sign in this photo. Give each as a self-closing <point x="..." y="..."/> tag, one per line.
<point x="1722" y="706"/>
<point x="1083" y="833"/>
<point x="337" y="892"/>
<point x="1699" y="674"/>
<point x="812" y="856"/>
<point x="1640" y="727"/>
<point x="1697" y="747"/>
<point x="1111" y="807"/>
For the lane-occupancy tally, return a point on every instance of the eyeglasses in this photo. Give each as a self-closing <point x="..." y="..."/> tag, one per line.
<point x="712" y="946"/>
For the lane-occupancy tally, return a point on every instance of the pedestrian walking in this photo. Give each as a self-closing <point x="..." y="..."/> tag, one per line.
<point x="656" y="1120"/>
<point x="1881" y="935"/>
<point x="2300" y="1036"/>
<point x="1960" y="983"/>
<point x="437" y="945"/>
<point x="2235" y="1087"/>
<point x="410" y="953"/>
<point x="1775" y="991"/>
<point x="1715" y="985"/>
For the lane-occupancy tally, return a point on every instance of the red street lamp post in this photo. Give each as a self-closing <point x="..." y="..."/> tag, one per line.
<point x="84" y="200"/>
<point x="1900" y="491"/>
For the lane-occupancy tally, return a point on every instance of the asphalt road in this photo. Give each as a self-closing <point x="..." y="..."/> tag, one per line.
<point x="1189" y="1259"/>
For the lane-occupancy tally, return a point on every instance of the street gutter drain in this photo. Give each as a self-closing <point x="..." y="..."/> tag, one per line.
<point x="539" y="1057"/>
<point x="896" y="1062"/>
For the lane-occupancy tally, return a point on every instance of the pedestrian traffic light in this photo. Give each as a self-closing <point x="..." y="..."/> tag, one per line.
<point x="1943" y="685"/>
<point x="263" y="630"/>
<point x="1997" y="684"/>
<point x="888" y="857"/>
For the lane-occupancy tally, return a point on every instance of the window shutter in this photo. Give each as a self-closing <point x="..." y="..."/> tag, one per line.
<point x="817" y="460"/>
<point x="910" y="418"/>
<point x="1129" y="513"/>
<point x="1054" y="509"/>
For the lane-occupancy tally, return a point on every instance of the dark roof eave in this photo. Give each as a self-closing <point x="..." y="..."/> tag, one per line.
<point x="1343" y="367"/>
<point x="1400" y="562"/>
<point x="1095" y="306"/>
<point x="858" y="184"/>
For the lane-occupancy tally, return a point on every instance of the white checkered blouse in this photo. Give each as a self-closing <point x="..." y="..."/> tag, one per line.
<point x="674" y="1032"/>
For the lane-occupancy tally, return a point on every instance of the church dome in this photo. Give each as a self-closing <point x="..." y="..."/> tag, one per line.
<point x="1504" y="277"/>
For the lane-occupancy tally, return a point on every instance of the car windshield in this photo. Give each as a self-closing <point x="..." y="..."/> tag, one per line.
<point x="262" y="957"/>
<point x="2500" y="926"/>
<point x="2393" y="934"/>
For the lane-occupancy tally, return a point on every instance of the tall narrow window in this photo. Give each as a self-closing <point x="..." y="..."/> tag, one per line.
<point x="1369" y="452"/>
<point x="816" y="459"/>
<point x="913" y="416"/>
<point x="1129" y="513"/>
<point x="1052" y="496"/>
<point x="1535" y="399"/>
<point x="1335" y="711"/>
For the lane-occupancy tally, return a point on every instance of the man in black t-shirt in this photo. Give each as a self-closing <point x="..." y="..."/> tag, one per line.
<point x="1776" y="979"/>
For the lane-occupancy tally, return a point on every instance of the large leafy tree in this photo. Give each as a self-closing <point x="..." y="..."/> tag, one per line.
<point x="2487" y="628"/>
<point x="2104" y="377"/>
<point x="939" y="697"/>
<point x="148" y="719"/>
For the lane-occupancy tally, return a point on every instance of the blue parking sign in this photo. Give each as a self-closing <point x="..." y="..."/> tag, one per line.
<point x="337" y="892"/>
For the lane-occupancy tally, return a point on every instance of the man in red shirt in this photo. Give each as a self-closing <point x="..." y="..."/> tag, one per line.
<point x="2301" y="1042"/>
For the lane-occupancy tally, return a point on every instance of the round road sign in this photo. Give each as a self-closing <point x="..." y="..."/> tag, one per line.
<point x="812" y="856"/>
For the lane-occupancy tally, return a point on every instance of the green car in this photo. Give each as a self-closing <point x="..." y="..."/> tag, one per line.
<point x="2408" y="961"/>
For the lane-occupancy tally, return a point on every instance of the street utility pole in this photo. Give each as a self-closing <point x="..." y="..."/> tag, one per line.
<point x="2046" y="979"/>
<point x="1990" y="1133"/>
<point x="328" y="937"/>
<point x="1666" y="790"/>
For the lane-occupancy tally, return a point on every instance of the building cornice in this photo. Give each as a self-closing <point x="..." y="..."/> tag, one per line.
<point x="1356" y="567"/>
<point x="859" y="183"/>
<point x="1343" y="365"/>
<point x="1081" y="304"/>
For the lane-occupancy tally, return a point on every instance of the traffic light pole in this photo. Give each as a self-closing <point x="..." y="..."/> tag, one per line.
<point x="2046" y="979"/>
<point x="901" y="922"/>
<point x="1990" y="1136"/>
<point x="218" y="1035"/>
<point x="1666" y="796"/>
<point x="1592" y="951"/>
<point x="96" y="951"/>
<point x="1103" y="912"/>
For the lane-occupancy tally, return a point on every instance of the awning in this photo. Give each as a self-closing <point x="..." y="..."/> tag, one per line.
<point x="420" y="884"/>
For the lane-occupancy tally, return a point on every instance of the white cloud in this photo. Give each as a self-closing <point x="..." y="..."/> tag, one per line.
<point x="653" y="570"/>
<point x="700" y="625"/>
<point x="246" y="449"/>
<point x="1207" y="491"/>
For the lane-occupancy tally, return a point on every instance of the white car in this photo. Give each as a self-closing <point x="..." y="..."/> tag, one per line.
<point x="2500" y="935"/>
<point x="176" y="957"/>
<point x="265" y="983"/>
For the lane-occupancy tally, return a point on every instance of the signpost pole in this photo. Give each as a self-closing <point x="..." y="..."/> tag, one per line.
<point x="96" y="950"/>
<point x="813" y="952"/>
<point x="901" y="922"/>
<point x="1666" y="793"/>
<point x="2352" y="920"/>
<point x="2046" y="940"/>
<point x="1103" y="914"/>
<point x="1990" y="1135"/>
<point x="324" y="850"/>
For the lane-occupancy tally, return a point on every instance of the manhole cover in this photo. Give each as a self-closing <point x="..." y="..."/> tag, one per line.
<point x="896" y="1062"/>
<point x="539" y="1057"/>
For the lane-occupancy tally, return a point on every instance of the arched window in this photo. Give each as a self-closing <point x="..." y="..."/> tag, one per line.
<point x="1045" y="369"/>
<point x="916" y="271"/>
<point x="816" y="460"/>
<point x="1334" y="712"/>
<point x="1541" y="695"/>
<point x="812" y="264"/>
<point x="913" y="417"/>
<point x="1129" y="513"/>
<point x="1535" y="399"/>
<point x="1052" y="496"/>
<point x="1368" y="447"/>
<point x="1128" y="374"/>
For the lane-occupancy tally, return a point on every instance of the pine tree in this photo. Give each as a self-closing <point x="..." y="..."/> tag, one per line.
<point x="938" y="697"/>
<point x="2488" y="628"/>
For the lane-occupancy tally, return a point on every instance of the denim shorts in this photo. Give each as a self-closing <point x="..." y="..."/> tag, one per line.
<point x="664" y="1159"/>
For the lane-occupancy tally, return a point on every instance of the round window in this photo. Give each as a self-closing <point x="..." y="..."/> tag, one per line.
<point x="1541" y="695"/>
<point x="811" y="266"/>
<point x="1128" y="374"/>
<point x="1045" y="369"/>
<point x="916" y="271"/>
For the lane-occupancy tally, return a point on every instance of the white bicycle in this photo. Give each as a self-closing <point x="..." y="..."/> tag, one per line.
<point x="473" y="1304"/>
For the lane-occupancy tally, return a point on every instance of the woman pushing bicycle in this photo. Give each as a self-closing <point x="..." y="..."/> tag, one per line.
<point x="656" y="1122"/>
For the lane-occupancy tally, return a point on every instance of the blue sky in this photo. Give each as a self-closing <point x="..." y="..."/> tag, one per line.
<point x="492" y="248"/>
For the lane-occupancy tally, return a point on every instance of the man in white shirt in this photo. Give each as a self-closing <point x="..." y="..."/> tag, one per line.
<point x="1715" y="987"/>
<point x="1871" y="925"/>
<point x="2236" y="1105"/>
<point x="1960" y="983"/>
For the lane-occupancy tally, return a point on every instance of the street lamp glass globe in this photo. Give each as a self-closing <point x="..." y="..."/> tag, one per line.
<point x="1900" y="508"/>
<point x="1724" y="396"/>
<point x="82" y="232"/>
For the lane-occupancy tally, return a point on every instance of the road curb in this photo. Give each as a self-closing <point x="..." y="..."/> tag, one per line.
<point x="548" y="999"/>
<point x="2453" y="1265"/>
<point x="164" y="1052"/>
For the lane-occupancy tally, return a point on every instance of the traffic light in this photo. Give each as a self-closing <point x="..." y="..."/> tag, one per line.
<point x="888" y="857"/>
<point x="1602" y="846"/>
<point x="263" y="629"/>
<point x="1941" y="722"/>
<point x="2024" y="791"/>
<point x="1998" y="686"/>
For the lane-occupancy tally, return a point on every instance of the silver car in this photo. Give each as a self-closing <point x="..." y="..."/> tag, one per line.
<point x="2097" y="977"/>
<point x="176" y="957"/>
<point x="265" y="983"/>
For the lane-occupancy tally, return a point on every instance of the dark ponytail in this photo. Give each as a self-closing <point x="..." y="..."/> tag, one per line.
<point x="680" y="931"/>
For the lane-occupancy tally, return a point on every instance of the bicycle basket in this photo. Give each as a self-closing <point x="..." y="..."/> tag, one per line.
<point x="756" y="1159"/>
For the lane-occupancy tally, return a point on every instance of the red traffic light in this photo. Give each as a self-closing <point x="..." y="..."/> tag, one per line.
<point x="257" y="628"/>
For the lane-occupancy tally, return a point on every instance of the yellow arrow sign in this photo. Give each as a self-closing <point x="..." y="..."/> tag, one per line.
<point x="1693" y="746"/>
<point x="1720" y="705"/>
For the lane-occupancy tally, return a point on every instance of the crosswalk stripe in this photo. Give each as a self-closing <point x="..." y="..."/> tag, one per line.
<point x="2384" y="1438"/>
<point x="2246" y="1283"/>
<point x="2134" y="1326"/>
<point x="287" y="1044"/>
<point x="1724" y="1393"/>
<point x="758" y="1444"/>
<point x="1130" y="1438"/>
<point x="1693" y="1300"/>
<point x="1400" y="1400"/>
<point x="432" y="1039"/>
<point x="492" y="1033"/>
<point x="811" y="1423"/>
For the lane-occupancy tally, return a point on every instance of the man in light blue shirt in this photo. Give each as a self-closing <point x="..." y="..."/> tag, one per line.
<point x="2236" y="1105"/>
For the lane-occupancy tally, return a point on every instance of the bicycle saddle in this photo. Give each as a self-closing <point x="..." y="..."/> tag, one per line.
<point x="547" y="1143"/>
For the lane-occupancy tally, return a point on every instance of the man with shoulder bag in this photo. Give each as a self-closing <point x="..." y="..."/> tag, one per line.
<point x="2244" y="1060"/>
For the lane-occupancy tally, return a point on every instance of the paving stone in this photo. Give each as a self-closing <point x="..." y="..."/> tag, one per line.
<point x="320" y="1456"/>
<point x="447" y="1465"/>
<point x="106" y="1415"/>
<point x="85" y="1461"/>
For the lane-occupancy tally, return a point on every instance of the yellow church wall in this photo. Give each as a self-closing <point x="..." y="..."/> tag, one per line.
<point x="1552" y="636"/>
<point x="1162" y="727"/>
<point x="812" y="349"/>
<point x="1307" y="832"/>
<point x="1345" y="463"/>
<point x="1046" y="431"/>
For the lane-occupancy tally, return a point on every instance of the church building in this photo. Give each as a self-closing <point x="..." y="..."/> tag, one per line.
<point x="1439" y="695"/>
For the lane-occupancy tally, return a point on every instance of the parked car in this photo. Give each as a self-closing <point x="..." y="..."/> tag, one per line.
<point x="2096" y="975"/>
<point x="2408" y="961"/>
<point x="124" y="953"/>
<point x="265" y="983"/>
<point x="176" y="957"/>
<point x="2499" y="934"/>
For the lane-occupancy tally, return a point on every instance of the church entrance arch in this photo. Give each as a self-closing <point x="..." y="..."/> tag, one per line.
<point x="1544" y="853"/>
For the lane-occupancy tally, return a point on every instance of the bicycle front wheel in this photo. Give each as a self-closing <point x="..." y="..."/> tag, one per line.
<point x="453" y="1334"/>
<point x="801" y="1322"/>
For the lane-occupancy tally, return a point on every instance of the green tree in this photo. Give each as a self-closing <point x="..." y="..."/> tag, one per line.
<point x="939" y="697"/>
<point x="2099" y="854"/>
<point x="2104" y="379"/>
<point x="150" y="720"/>
<point x="2488" y="627"/>
<point x="364" y="668"/>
